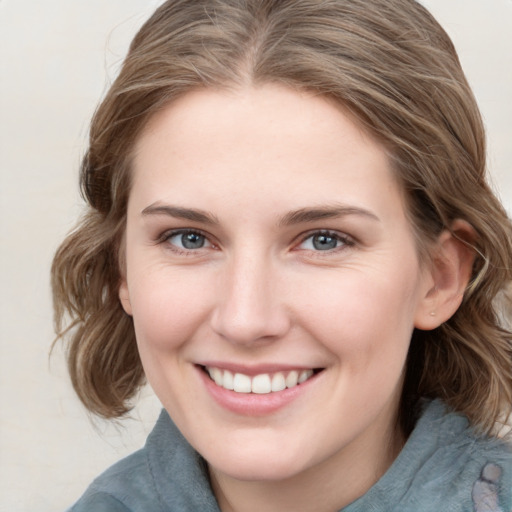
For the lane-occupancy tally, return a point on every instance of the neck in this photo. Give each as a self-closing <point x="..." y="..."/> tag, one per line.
<point x="327" y="487"/>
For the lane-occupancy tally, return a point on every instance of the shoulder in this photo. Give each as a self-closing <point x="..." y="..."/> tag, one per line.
<point x="98" y="502"/>
<point x="127" y="486"/>
<point x="167" y="474"/>
<point x="445" y="466"/>
<point x="455" y="467"/>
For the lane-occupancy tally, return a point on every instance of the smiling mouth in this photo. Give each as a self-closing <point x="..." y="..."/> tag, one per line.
<point x="261" y="384"/>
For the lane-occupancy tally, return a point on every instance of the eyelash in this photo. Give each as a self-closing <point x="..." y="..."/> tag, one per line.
<point x="345" y="241"/>
<point x="166" y="237"/>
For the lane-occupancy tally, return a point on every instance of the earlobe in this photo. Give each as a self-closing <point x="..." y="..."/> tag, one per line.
<point x="449" y="275"/>
<point x="124" y="297"/>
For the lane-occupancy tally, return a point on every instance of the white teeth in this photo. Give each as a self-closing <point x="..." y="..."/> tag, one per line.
<point x="216" y="375"/>
<point x="260" y="384"/>
<point x="242" y="383"/>
<point x="278" y="382"/>
<point x="304" y="376"/>
<point x="291" y="379"/>
<point x="228" y="380"/>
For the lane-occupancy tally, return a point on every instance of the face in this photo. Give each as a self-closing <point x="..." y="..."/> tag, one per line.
<point x="273" y="280"/>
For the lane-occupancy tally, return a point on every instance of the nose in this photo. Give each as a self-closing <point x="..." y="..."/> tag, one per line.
<point x="250" y="302"/>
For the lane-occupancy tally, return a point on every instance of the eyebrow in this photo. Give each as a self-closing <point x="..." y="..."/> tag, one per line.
<point x="305" y="215"/>
<point x="178" y="212"/>
<point x="301" y="216"/>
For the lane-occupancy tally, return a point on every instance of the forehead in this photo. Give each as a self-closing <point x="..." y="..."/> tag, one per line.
<point x="257" y="141"/>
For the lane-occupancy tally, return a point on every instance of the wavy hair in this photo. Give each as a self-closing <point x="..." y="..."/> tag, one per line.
<point x="395" y="69"/>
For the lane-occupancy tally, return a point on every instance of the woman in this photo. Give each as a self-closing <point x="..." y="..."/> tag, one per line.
<point x="291" y="237"/>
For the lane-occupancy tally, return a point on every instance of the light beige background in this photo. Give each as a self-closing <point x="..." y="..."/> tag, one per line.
<point x="57" y="57"/>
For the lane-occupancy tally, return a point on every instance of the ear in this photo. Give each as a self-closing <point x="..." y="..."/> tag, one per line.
<point x="448" y="276"/>
<point x="124" y="297"/>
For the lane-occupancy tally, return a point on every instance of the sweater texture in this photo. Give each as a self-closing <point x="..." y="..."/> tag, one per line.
<point x="443" y="467"/>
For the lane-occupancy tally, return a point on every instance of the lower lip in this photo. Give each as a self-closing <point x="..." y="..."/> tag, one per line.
<point x="254" y="404"/>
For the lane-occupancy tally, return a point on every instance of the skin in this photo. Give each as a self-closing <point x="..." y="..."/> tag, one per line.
<point x="259" y="291"/>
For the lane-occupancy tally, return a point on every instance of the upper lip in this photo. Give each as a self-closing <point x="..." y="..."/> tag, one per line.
<point x="258" y="369"/>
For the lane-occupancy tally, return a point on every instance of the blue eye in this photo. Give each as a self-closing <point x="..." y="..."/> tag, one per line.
<point x="324" y="241"/>
<point x="188" y="240"/>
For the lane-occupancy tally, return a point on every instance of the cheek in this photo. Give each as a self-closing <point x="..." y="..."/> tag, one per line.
<point x="364" y="316"/>
<point x="167" y="308"/>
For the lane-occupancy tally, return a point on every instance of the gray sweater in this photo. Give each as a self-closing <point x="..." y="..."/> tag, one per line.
<point x="443" y="467"/>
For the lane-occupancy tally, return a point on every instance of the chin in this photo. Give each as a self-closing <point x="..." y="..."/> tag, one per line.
<point x="262" y="466"/>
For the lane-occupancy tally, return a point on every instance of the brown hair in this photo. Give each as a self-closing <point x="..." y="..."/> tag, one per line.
<point x="388" y="62"/>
